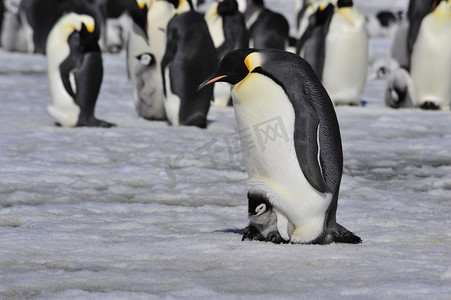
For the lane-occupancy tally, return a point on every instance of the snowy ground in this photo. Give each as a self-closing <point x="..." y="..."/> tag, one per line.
<point x="145" y="210"/>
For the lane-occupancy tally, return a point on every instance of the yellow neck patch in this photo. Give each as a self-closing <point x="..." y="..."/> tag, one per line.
<point x="253" y="61"/>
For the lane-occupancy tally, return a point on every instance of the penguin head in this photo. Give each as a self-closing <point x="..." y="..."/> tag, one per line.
<point x="344" y="3"/>
<point x="138" y="13"/>
<point x="227" y="7"/>
<point x="235" y="66"/>
<point x="146" y="59"/>
<point x="258" y="205"/>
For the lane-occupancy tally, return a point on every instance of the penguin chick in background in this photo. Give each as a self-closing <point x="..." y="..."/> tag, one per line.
<point x="263" y="221"/>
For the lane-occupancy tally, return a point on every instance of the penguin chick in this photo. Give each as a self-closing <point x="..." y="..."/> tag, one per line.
<point x="263" y="220"/>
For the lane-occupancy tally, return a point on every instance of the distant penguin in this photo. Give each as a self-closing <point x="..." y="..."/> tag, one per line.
<point x="400" y="91"/>
<point x="312" y="44"/>
<point x="228" y="30"/>
<point x="269" y="29"/>
<point x="234" y="28"/>
<point x="74" y="67"/>
<point x="148" y="95"/>
<point x="417" y="10"/>
<point x="189" y="58"/>
<point x="291" y="140"/>
<point x="153" y="41"/>
<point x="398" y="49"/>
<point x="347" y="55"/>
<point x="13" y="37"/>
<point x="431" y="59"/>
<point x="263" y="222"/>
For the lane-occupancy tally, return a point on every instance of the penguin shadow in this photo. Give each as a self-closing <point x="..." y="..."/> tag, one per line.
<point x="231" y="230"/>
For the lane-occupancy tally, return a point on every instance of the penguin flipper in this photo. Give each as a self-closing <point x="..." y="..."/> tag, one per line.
<point x="169" y="54"/>
<point x="72" y="62"/>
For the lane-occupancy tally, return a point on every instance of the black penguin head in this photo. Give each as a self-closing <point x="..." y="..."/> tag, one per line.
<point x="344" y="3"/>
<point x="146" y="59"/>
<point x="258" y="204"/>
<point x="138" y="13"/>
<point x="227" y="7"/>
<point x="233" y="68"/>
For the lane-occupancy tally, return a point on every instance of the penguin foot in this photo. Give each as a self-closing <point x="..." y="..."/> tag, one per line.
<point x="96" y="123"/>
<point x="429" y="105"/>
<point x="274" y="237"/>
<point x="251" y="233"/>
<point x="342" y="235"/>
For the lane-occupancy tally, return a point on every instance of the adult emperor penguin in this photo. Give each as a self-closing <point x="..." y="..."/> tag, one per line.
<point x="431" y="59"/>
<point x="228" y="30"/>
<point x="189" y="58"/>
<point x="74" y="67"/>
<point x="291" y="140"/>
<point x="312" y="44"/>
<point x="347" y="55"/>
<point x="267" y="29"/>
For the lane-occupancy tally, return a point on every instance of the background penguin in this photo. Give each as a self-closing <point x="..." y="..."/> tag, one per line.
<point x="13" y="33"/>
<point x="269" y="30"/>
<point x="312" y="45"/>
<point x="347" y="55"/>
<point x="431" y="59"/>
<point x="189" y="58"/>
<point x="2" y="12"/>
<point x="300" y="172"/>
<point x="417" y="10"/>
<point x="234" y="28"/>
<point x="74" y="67"/>
<point x="153" y="41"/>
<point x="263" y="221"/>
<point x="228" y="30"/>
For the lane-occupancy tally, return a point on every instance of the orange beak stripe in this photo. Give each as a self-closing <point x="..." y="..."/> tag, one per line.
<point x="215" y="79"/>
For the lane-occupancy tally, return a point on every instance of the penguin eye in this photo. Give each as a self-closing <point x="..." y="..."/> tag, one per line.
<point x="260" y="209"/>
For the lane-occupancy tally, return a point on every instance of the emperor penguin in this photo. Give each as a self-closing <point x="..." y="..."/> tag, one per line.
<point x="431" y="59"/>
<point x="347" y="55"/>
<point x="13" y="37"/>
<point x="228" y="30"/>
<point x="312" y="45"/>
<point x="152" y="40"/>
<point x="263" y="221"/>
<point x="267" y="28"/>
<point x="189" y="58"/>
<point x="291" y="140"/>
<point x="74" y="67"/>
<point x="417" y="10"/>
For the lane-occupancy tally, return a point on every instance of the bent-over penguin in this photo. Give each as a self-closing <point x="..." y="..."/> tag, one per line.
<point x="75" y="70"/>
<point x="291" y="140"/>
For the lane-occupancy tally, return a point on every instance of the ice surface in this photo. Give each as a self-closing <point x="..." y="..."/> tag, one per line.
<point x="145" y="210"/>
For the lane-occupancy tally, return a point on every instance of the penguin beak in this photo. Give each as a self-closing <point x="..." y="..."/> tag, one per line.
<point x="210" y="81"/>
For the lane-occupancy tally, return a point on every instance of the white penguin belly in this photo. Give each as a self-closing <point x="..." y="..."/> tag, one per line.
<point x="431" y="61"/>
<point x="346" y="60"/>
<point x="63" y="107"/>
<point x="265" y="119"/>
<point x="171" y="102"/>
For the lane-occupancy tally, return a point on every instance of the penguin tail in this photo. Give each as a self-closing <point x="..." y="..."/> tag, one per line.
<point x="342" y="235"/>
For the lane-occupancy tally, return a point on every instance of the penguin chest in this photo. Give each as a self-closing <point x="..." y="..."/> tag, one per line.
<point x="346" y="58"/>
<point x="431" y="60"/>
<point x="63" y="107"/>
<point x="265" y="119"/>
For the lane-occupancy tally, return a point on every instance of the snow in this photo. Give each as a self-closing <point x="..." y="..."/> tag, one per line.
<point x="147" y="211"/>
